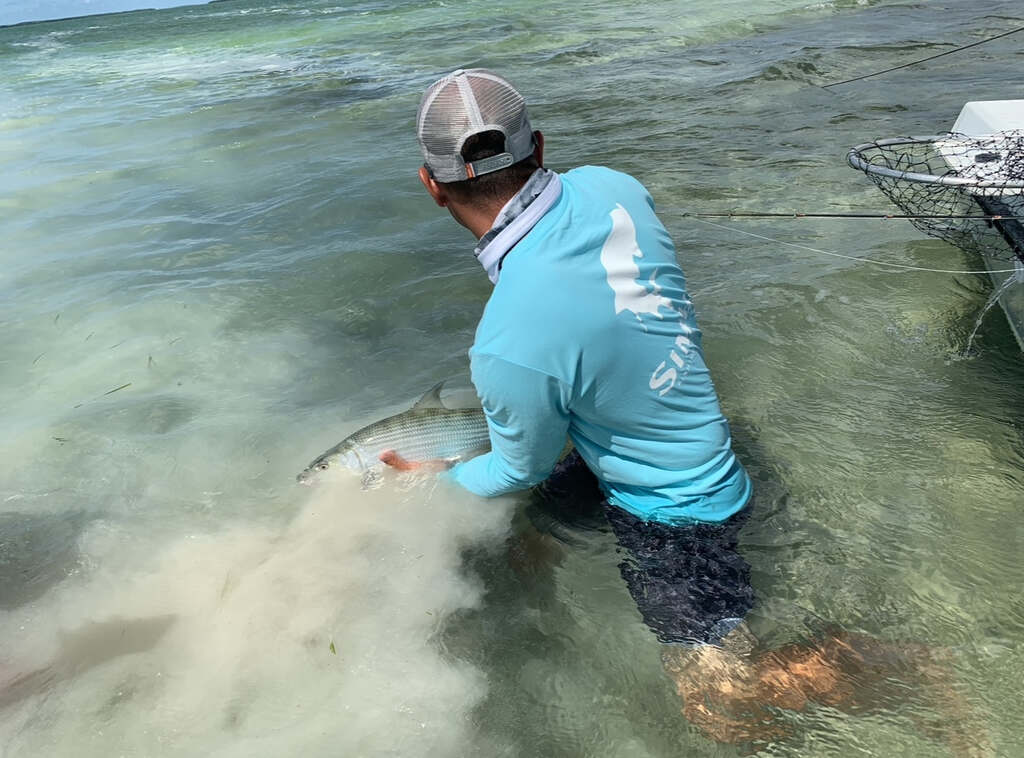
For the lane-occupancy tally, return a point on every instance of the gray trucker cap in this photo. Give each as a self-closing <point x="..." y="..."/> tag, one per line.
<point x="464" y="103"/>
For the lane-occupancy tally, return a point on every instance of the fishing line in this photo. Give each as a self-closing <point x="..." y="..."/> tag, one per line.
<point x="924" y="60"/>
<point x="848" y="257"/>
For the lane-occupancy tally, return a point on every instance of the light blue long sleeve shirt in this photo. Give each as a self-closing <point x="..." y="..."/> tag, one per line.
<point x="589" y="333"/>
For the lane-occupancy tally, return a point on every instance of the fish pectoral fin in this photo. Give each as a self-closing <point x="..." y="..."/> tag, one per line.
<point x="431" y="398"/>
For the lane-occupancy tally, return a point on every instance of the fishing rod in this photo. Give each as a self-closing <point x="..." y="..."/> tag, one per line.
<point x="860" y="259"/>
<point x="789" y="214"/>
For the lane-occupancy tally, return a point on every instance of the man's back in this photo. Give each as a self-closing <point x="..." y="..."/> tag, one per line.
<point x="590" y="318"/>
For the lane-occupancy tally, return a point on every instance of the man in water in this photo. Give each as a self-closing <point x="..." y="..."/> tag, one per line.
<point x="589" y="333"/>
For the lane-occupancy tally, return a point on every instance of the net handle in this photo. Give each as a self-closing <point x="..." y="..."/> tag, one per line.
<point x="857" y="161"/>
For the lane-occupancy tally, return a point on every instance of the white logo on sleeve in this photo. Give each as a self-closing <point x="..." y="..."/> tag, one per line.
<point x="619" y="258"/>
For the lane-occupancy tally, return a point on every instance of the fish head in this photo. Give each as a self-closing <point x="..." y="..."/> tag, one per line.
<point x="330" y="463"/>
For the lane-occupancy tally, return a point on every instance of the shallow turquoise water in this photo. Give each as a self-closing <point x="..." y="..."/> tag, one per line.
<point x="217" y="206"/>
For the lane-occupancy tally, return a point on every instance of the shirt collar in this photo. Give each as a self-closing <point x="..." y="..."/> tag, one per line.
<point x="516" y="218"/>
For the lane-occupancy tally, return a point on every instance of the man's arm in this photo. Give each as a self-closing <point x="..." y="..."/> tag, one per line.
<point x="528" y="419"/>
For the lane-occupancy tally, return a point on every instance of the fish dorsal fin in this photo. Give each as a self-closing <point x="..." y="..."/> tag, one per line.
<point x="431" y="398"/>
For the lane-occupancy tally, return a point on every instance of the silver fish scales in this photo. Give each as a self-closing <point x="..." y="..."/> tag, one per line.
<point x="428" y="431"/>
<point x="423" y="434"/>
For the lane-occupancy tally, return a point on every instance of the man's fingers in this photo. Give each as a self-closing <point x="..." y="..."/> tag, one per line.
<point x="393" y="459"/>
<point x="396" y="461"/>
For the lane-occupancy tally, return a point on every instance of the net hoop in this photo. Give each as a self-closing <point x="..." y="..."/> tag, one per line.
<point x="861" y="159"/>
<point x="965" y="189"/>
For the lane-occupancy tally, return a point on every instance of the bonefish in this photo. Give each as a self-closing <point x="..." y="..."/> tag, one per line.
<point x="427" y="432"/>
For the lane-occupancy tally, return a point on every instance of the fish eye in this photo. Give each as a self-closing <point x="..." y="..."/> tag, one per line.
<point x="322" y="466"/>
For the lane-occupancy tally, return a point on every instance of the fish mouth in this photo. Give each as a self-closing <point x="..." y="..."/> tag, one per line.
<point x="304" y="478"/>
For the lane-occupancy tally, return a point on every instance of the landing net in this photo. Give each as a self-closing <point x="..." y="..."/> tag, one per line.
<point x="942" y="179"/>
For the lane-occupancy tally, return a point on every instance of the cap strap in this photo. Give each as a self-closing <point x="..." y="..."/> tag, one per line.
<point x="487" y="165"/>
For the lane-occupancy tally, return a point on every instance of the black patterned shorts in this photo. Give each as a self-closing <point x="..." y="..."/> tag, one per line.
<point x="689" y="583"/>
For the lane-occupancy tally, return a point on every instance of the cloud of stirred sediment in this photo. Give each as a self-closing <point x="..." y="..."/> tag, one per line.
<point x="314" y="639"/>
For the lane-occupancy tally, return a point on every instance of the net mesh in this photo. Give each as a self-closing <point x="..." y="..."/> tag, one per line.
<point x="941" y="180"/>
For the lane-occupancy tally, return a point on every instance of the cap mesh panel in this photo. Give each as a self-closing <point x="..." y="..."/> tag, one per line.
<point x="444" y="122"/>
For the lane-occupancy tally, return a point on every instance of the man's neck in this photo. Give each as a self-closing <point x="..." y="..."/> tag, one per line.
<point x="516" y="218"/>
<point x="480" y="218"/>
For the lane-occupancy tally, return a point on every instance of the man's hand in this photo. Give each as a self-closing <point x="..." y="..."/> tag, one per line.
<point x="395" y="461"/>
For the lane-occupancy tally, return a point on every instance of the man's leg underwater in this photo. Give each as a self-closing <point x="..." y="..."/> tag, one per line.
<point x="731" y="692"/>
<point x="716" y="685"/>
<point x="693" y="588"/>
<point x="659" y="567"/>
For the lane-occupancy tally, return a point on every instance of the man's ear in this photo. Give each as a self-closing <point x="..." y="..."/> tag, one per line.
<point x="436" y="191"/>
